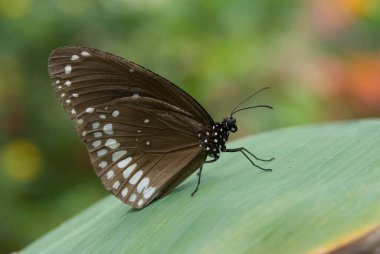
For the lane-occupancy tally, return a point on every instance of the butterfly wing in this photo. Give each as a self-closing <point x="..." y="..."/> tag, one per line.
<point x="101" y="77"/>
<point x="141" y="130"/>
<point x="140" y="146"/>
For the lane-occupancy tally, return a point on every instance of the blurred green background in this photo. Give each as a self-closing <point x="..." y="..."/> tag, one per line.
<point x="321" y="58"/>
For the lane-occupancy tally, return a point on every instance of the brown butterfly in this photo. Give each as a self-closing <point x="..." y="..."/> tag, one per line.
<point x="144" y="134"/>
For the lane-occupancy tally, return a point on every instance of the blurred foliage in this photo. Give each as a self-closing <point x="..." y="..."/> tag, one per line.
<point x="321" y="58"/>
<point x="21" y="160"/>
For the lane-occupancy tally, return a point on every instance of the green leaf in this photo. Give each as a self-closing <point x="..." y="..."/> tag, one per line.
<point x="324" y="188"/>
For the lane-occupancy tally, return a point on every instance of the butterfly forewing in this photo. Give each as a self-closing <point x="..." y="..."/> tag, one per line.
<point x="141" y="131"/>
<point x="99" y="77"/>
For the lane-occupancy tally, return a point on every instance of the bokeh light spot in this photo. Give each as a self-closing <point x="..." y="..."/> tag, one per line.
<point x="21" y="160"/>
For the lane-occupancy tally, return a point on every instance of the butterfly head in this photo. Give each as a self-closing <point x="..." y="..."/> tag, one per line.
<point x="230" y="123"/>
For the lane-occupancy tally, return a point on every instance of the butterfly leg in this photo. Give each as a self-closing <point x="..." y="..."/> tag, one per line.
<point x="212" y="160"/>
<point x="199" y="181"/>
<point x="243" y="151"/>
<point x="254" y="156"/>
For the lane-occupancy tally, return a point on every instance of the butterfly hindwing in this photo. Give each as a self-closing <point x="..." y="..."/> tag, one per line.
<point x="138" y="146"/>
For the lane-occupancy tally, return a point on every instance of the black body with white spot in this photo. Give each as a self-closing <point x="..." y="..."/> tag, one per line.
<point x="213" y="140"/>
<point x="144" y="134"/>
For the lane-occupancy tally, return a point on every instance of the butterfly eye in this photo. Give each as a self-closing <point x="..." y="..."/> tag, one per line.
<point x="231" y="124"/>
<point x="233" y="128"/>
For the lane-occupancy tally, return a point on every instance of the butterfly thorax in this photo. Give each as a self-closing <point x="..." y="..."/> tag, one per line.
<point x="213" y="140"/>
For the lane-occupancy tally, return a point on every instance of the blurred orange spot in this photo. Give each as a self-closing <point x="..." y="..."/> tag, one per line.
<point x="365" y="79"/>
<point x="21" y="160"/>
<point x="356" y="7"/>
<point x="357" y="80"/>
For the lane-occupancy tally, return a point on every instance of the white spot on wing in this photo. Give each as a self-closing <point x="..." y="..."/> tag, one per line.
<point x="116" y="185"/>
<point x="68" y="69"/>
<point x="129" y="170"/>
<point x="84" y="133"/>
<point x="95" y="125"/>
<point x="147" y="143"/>
<point x="110" y="174"/>
<point x="103" y="164"/>
<point x="85" y="53"/>
<point x="117" y="155"/>
<point x="135" y="95"/>
<point x="115" y="113"/>
<point x="132" y="198"/>
<point x="124" y="163"/>
<point x="102" y="116"/>
<point x="136" y="177"/>
<point x="74" y="112"/>
<point x="101" y="152"/>
<point x="68" y="83"/>
<point x="74" y="57"/>
<point x="80" y="121"/>
<point x="124" y="192"/>
<point x="111" y="143"/>
<point x="146" y="120"/>
<point x="90" y="110"/>
<point x="75" y="95"/>
<point x="96" y="143"/>
<point x="63" y="95"/>
<point x="149" y="192"/>
<point x="98" y="134"/>
<point x="108" y="129"/>
<point x="140" y="202"/>
<point x="57" y="82"/>
<point x="142" y="184"/>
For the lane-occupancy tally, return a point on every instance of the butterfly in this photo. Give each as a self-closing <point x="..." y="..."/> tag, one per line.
<point x="144" y="135"/>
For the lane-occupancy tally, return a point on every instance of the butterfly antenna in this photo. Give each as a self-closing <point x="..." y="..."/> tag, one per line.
<point x="257" y="106"/>
<point x="249" y="97"/>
